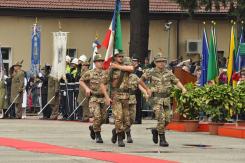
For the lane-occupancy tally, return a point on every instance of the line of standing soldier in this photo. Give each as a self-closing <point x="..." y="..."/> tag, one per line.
<point x="11" y="92"/>
<point x="65" y="94"/>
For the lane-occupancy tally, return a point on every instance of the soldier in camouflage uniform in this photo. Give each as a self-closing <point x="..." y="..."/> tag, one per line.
<point x="17" y="89"/>
<point x="118" y="83"/>
<point x="134" y="83"/>
<point x="97" y="105"/>
<point x="53" y="91"/>
<point x="3" y="97"/>
<point x="161" y="80"/>
<point x="119" y="87"/>
<point x="84" y="110"/>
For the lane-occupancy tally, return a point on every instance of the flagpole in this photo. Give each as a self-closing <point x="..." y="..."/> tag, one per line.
<point x="115" y="33"/>
<point x="114" y="45"/>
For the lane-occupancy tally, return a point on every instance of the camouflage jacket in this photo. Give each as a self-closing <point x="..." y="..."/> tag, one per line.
<point x="160" y="82"/>
<point x="94" y="78"/>
<point x="122" y="91"/>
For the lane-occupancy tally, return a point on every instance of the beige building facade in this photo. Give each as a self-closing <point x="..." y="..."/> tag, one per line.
<point x="15" y="35"/>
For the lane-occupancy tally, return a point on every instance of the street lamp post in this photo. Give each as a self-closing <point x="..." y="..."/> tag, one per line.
<point x="167" y="27"/>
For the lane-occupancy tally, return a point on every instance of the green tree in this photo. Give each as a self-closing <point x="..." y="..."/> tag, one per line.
<point x="236" y="7"/>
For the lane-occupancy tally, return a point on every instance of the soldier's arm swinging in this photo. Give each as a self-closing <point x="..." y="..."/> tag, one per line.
<point x="104" y="91"/>
<point x="143" y="91"/>
<point x="142" y="84"/>
<point x="180" y="86"/>
<point x="85" y="87"/>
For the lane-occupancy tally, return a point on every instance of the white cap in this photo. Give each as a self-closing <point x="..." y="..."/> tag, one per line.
<point x="83" y="58"/>
<point x="68" y="58"/>
<point x="75" y="61"/>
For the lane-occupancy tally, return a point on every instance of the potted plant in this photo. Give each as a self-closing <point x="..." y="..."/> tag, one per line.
<point x="239" y="96"/>
<point x="219" y="102"/>
<point x="189" y="105"/>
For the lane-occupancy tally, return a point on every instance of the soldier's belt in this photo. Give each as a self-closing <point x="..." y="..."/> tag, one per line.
<point x="98" y="95"/>
<point x="162" y="95"/>
<point x="131" y="92"/>
<point x="120" y="90"/>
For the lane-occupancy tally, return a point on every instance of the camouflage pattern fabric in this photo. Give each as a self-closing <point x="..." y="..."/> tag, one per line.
<point x="96" y="102"/>
<point x="160" y="82"/>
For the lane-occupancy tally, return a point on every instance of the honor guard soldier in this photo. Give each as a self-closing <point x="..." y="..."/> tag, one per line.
<point x="17" y="89"/>
<point x="97" y="105"/>
<point x="53" y="95"/>
<point x="3" y="96"/>
<point x="83" y="112"/>
<point x="161" y="80"/>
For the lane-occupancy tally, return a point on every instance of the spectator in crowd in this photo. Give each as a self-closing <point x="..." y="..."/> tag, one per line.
<point x="222" y="76"/>
<point x="242" y="76"/>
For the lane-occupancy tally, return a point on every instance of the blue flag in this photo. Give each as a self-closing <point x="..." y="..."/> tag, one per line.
<point x="35" y="49"/>
<point x="240" y="57"/>
<point x="205" y="53"/>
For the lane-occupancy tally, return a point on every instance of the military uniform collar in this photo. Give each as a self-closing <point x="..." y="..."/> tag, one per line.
<point x="159" y="70"/>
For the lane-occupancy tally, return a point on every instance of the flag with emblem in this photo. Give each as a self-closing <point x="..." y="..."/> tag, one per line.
<point x="35" y="49"/>
<point x="59" y="54"/>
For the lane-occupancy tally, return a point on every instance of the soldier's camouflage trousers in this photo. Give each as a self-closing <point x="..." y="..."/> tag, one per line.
<point x="54" y="105"/>
<point x="85" y="110"/>
<point x="98" y="111"/>
<point x="120" y="110"/>
<point x="132" y="113"/>
<point x="18" y="110"/>
<point x="162" y="114"/>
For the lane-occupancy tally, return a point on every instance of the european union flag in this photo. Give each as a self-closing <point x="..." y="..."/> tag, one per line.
<point x="205" y="53"/>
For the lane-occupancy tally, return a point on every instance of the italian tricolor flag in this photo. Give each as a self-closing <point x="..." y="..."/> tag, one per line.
<point x="113" y="38"/>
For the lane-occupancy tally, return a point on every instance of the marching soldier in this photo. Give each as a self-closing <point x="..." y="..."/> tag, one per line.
<point x="81" y="95"/>
<point x="134" y="84"/>
<point x="118" y="81"/>
<point x="161" y="80"/>
<point x="53" y="95"/>
<point x="97" y="106"/>
<point x="17" y="89"/>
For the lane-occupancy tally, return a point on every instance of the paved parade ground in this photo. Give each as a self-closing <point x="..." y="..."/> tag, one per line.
<point x="38" y="141"/>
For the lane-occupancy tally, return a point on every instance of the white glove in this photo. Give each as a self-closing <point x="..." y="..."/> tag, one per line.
<point x="5" y="77"/>
<point x="39" y="85"/>
<point x="40" y="75"/>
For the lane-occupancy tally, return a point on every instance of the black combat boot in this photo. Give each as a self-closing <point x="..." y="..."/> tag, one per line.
<point x="114" y="136"/>
<point x="120" y="139"/>
<point x="163" y="142"/>
<point x="129" y="138"/>
<point x="92" y="134"/>
<point x="98" y="137"/>
<point x="154" y="135"/>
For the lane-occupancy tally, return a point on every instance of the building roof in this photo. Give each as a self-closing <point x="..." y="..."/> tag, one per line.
<point x="156" y="6"/>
